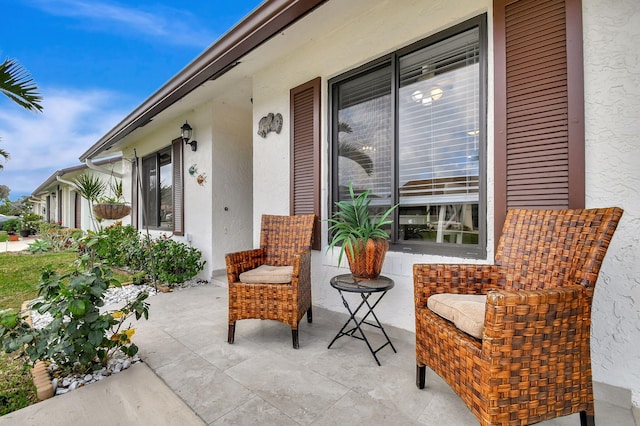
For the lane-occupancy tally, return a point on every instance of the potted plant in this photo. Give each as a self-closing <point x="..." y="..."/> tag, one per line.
<point x="12" y="226"/>
<point x="102" y="207"/>
<point x="361" y="236"/>
<point x="113" y="207"/>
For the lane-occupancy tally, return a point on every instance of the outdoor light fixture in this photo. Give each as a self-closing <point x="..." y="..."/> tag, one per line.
<point x="186" y="132"/>
<point x="434" y="94"/>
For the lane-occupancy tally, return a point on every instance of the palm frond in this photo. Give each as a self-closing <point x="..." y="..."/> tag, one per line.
<point x="352" y="152"/>
<point x="17" y="84"/>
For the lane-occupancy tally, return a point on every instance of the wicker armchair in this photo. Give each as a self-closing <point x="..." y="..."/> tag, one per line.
<point x="284" y="241"/>
<point x="533" y="359"/>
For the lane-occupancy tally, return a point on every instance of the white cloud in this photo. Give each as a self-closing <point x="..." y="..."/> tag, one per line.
<point x="168" y="25"/>
<point x="40" y="144"/>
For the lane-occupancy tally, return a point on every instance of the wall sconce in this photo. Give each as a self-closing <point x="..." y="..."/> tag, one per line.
<point x="186" y="132"/>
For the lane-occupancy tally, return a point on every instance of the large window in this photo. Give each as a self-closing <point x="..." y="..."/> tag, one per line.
<point x="412" y="128"/>
<point x="157" y="184"/>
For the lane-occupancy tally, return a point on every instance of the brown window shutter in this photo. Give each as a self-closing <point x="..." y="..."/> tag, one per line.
<point x="177" y="187"/>
<point x="305" y="152"/>
<point x="539" y="112"/>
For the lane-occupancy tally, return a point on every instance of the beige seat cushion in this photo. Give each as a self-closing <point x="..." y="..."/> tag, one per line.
<point x="267" y="274"/>
<point x="466" y="311"/>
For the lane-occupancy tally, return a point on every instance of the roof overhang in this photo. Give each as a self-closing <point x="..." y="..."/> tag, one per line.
<point x="267" y="20"/>
<point x="44" y="186"/>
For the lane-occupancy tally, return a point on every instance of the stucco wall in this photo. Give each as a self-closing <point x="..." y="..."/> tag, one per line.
<point x="232" y="181"/>
<point x="367" y="30"/>
<point x="612" y="90"/>
<point x="197" y="198"/>
<point x="612" y="110"/>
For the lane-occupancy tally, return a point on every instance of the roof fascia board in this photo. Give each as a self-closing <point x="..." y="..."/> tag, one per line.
<point x="267" y="20"/>
<point x="53" y="178"/>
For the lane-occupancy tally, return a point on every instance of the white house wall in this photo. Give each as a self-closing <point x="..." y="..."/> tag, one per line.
<point x="612" y="111"/>
<point x="198" y="227"/>
<point x="231" y="180"/>
<point x="612" y="91"/>
<point x="368" y="30"/>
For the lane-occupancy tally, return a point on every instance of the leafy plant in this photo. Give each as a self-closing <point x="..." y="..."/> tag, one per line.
<point x="32" y="222"/>
<point x="352" y="222"/>
<point x="175" y="262"/>
<point x="79" y="338"/>
<point x="12" y="225"/>
<point x="40" y="246"/>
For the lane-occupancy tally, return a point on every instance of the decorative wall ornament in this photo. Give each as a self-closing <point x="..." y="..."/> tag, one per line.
<point x="270" y="123"/>
<point x="201" y="178"/>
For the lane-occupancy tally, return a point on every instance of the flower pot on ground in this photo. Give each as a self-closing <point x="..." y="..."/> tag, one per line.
<point x="13" y="236"/>
<point x="362" y="236"/>
<point x="25" y="232"/>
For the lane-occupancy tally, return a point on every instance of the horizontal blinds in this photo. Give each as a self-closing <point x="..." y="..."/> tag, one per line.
<point x="365" y="138"/>
<point x="439" y="101"/>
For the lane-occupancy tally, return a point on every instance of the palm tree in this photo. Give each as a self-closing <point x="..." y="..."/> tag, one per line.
<point x="19" y="86"/>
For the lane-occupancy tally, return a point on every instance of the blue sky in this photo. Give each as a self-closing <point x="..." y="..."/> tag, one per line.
<point x="94" y="62"/>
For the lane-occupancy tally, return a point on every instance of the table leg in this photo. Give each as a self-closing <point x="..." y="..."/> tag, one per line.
<point x="352" y="317"/>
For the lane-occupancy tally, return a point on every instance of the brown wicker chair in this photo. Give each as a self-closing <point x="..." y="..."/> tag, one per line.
<point x="284" y="241"/>
<point x="533" y="362"/>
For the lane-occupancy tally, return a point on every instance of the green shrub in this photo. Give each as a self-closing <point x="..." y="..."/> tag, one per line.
<point x="12" y="225"/>
<point x="60" y="238"/>
<point x="169" y="261"/>
<point x="32" y="222"/>
<point x="79" y="338"/>
<point x="175" y="262"/>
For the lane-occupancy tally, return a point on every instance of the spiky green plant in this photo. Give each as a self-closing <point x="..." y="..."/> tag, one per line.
<point x="352" y="221"/>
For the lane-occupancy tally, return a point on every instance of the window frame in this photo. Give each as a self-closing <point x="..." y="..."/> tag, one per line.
<point x="478" y="251"/>
<point x="145" y="208"/>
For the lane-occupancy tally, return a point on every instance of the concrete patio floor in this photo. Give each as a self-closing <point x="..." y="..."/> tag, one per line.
<point x="260" y="379"/>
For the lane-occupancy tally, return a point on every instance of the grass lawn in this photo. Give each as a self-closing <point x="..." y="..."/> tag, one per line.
<point x="19" y="278"/>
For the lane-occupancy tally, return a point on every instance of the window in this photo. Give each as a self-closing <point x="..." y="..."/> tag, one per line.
<point x="157" y="185"/>
<point x="412" y="128"/>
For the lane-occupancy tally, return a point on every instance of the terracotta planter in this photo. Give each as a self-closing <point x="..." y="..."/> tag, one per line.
<point x="111" y="211"/>
<point x="14" y="237"/>
<point x="367" y="262"/>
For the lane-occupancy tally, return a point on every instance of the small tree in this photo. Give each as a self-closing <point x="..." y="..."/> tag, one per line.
<point x="91" y="188"/>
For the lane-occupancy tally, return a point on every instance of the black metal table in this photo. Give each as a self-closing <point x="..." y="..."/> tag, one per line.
<point x="346" y="283"/>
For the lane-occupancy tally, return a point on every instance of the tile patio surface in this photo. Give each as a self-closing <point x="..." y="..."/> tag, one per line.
<point x="261" y="379"/>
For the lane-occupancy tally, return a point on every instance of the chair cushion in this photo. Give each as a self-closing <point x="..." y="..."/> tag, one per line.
<point x="267" y="274"/>
<point x="466" y="311"/>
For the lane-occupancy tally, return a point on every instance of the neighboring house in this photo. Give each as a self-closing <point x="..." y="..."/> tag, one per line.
<point x="58" y="201"/>
<point x="455" y="110"/>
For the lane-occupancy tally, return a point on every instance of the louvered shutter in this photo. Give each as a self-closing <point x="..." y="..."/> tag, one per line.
<point x="134" y="193"/>
<point x="177" y="187"/>
<point x="539" y="109"/>
<point x="305" y="152"/>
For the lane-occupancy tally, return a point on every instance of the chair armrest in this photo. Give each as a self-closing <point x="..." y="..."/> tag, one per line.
<point x="431" y="279"/>
<point x="515" y="319"/>
<point x="301" y="274"/>
<point x="243" y="261"/>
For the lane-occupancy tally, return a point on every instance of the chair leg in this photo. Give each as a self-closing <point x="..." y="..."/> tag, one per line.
<point x="586" y="419"/>
<point x="294" y="334"/>
<point x="421" y="371"/>
<point x="309" y="315"/>
<point x="232" y="333"/>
